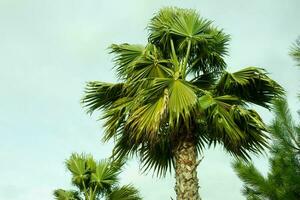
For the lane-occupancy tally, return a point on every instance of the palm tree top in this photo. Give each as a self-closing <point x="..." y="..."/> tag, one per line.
<point x="176" y="87"/>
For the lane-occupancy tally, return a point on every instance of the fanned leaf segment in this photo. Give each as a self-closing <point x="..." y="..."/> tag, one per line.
<point x="95" y="180"/>
<point x="175" y="90"/>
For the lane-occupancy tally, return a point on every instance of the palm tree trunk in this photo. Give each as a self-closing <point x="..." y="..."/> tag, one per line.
<point x="186" y="171"/>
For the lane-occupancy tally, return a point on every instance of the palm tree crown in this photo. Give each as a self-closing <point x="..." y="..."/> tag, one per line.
<point x="95" y="180"/>
<point x="176" y="87"/>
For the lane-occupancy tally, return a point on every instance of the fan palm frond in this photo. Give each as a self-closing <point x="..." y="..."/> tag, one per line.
<point x="100" y="95"/>
<point x="206" y="44"/>
<point x="205" y="81"/>
<point x="125" y="57"/>
<point x="229" y="123"/>
<point x="158" y="156"/>
<point x="61" y="194"/>
<point x="151" y="65"/>
<point x="168" y="100"/>
<point x="250" y="84"/>
<point x="126" y="192"/>
<point x="209" y="57"/>
<point x="105" y="175"/>
<point x="77" y="165"/>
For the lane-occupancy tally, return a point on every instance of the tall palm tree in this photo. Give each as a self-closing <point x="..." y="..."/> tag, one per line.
<point x="283" y="179"/>
<point x="174" y="96"/>
<point x="95" y="180"/>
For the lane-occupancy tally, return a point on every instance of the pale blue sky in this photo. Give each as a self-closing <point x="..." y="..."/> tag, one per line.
<point x="50" y="48"/>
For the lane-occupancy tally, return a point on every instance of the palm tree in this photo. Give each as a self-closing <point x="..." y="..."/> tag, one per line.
<point x="95" y="180"/>
<point x="283" y="179"/>
<point x="174" y="96"/>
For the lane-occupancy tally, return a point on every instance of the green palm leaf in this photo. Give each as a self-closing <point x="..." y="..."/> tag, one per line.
<point x="168" y="100"/>
<point x="105" y="175"/>
<point x="100" y="95"/>
<point x="126" y="56"/>
<point x="61" y="194"/>
<point x="115" y="116"/>
<point x="182" y="99"/>
<point x="207" y="45"/>
<point x="158" y="156"/>
<point x="150" y="65"/>
<point x="126" y="192"/>
<point x="250" y="84"/>
<point x="180" y="24"/>
<point x="238" y="129"/>
<point x="205" y="81"/>
<point x="80" y="170"/>
<point x="209" y="56"/>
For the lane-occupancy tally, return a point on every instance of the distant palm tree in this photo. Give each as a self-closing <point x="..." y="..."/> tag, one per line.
<point x="283" y="179"/>
<point x="175" y="96"/>
<point x="95" y="180"/>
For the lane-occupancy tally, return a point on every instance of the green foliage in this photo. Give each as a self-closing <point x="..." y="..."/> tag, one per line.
<point x="176" y="87"/>
<point x="66" y="195"/>
<point x="283" y="179"/>
<point x="95" y="180"/>
<point x="126" y="192"/>
<point x="247" y="82"/>
<point x="295" y="51"/>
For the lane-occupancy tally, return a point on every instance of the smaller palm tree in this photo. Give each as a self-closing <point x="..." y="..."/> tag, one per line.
<point x="95" y="180"/>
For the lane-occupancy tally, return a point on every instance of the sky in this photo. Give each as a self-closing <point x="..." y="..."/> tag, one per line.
<point x="48" y="51"/>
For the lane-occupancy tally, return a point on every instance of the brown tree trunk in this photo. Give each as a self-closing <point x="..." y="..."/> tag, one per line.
<point x="186" y="171"/>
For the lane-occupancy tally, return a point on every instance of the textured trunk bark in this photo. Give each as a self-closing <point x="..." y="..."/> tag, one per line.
<point x="186" y="171"/>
